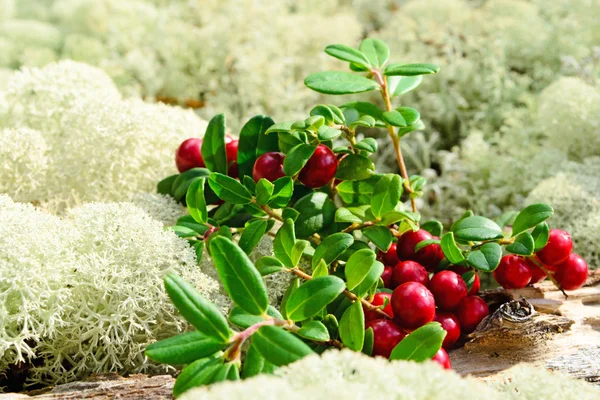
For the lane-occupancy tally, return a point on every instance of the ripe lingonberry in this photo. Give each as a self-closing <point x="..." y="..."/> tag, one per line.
<point x="386" y="276"/>
<point x="470" y="312"/>
<point x="268" y="166"/>
<point x="430" y="255"/>
<point x="451" y="325"/>
<point x="409" y="271"/>
<point x="320" y="168"/>
<point x="476" y="281"/>
<point x="448" y="289"/>
<point x="231" y="149"/>
<point x="572" y="273"/>
<point x="512" y="272"/>
<point x="442" y="358"/>
<point x="189" y="155"/>
<point x="413" y="305"/>
<point x="427" y="256"/>
<point x="386" y="335"/>
<point x="557" y="249"/>
<point x="537" y="274"/>
<point x="378" y="300"/>
<point x="389" y="258"/>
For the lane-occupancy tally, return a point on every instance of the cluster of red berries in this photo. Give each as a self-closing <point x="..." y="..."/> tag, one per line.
<point x="318" y="171"/>
<point x="568" y="269"/>
<point x="419" y="298"/>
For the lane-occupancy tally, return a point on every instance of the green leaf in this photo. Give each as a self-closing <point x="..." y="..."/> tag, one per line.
<point x="325" y="112"/>
<point x="355" y="167"/>
<point x="189" y="222"/>
<point x="264" y="190"/>
<point x="342" y="214"/>
<point x="394" y="217"/>
<point x="410" y="115"/>
<point x="298" y="250"/>
<point x="165" y="185"/>
<point x="283" y="189"/>
<point x="254" y="363"/>
<point x="399" y="85"/>
<point x="313" y="296"/>
<point x="241" y="280"/>
<point x="354" y="192"/>
<point x="317" y="212"/>
<point x="198" y="246"/>
<point x="434" y="227"/>
<point x="486" y="258"/>
<point x="200" y="372"/>
<point x="320" y="270"/>
<point x="469" y="278"/>
<point x="283" y="244"/>
<point x="297" y="158"/>
<point x="331" y="247"/>
<point x="363" y="212"/>
<point x="365" y="108"/>
<point x="347" y="53"/>
<point x="289" y="213"/>
<point x="253" y="232"/>
<point x="184" y="348"/>
<point x="335" y="82"/>
<point x="254" y="210"/>
<point x="370" y="280"/>
<point x="267" y="265"/>
<point x="394" y="118"/>
<point x="421" y="344"/>
<point x="313" y="123"/>
<point x="358" y="266"/>
<point x="278" y="346"/>
<point x="367" y="144"/>
<point x="366" y="120"/>
<point x="338" y="115"/>
<point x="411" y="69"/>
<point x="294" y="285"/>
<point x="540" y="235"/>
<point x="476" y="229"/>
<point x="425" y="243"/>
<point x="185" y="179"/>
<point x="196" y="309"/>
<point x="229" y="189"/>
<point x="368" y="342"/>
<point x="380" y="236"/>
<point x="508" y="218"/>
<point x="248" y="143"/>
<point x="419" y="126"/>
<point x="195" y="201"/>
<point x="530" y="216"/>
<point x="213" y="145"/>
<point x="451" y="250"/>
<point x="386" y="194"/>
<point x="376" y="51"/>
<point x="328" y="133"/>
<point x="183" y="231"/>
<point x="314" y="330"/>
<point x="280" y="127"/>
<point x="240" y="318"/>
<point x="524" y="244"/>
<point x="352" y="327"/>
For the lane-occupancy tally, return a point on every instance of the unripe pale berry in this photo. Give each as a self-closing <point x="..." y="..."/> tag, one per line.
<point x="189" y="155"/>
<point x="451" y="325"/>
<point x="512" y="272"/>
<point x="413" y="305"/>
<point x="409" y="271"/>
<point x="470" y="312"/>
<point x="448" y="289"/>
<point x="268" y="166"/>
<point x="442" y="358"/>
<point x="320" y="168"/>
<point x="557" y="249"/>
<point x="572" y="273"/>
<point x="386" y="335"/>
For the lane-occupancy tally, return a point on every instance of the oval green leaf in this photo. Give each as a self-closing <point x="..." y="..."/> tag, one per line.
<point x="411" y="69"/>
<point x="523" y="245"/>
<point x="486" y="258"/>
<point x="476" y="228"/>
<point x="199" y="373"/>
<point x="331" y="247"/>
<point x="229" y="189"/>
<point x="213" y="145"/>
<point x="421" y="344"/>
<point x="450" y="249"/>
<point x="314" y="330"/>
<point x="352" y="327"/>
<point x="358" y="267"/>
<point x="336" y="82"/>
<point x="376" y="51"/>
<point x="355" y="167"/>
<point x="313" y="296"/>
<point x="195" y="201"/>
<point x="184" y="348"/>
<point x="386" y="194"/>
<point x="278" y="346"/>
<point x="297" y="158"/>
<point x="317" y="212"/>
<point x="540" y="235"/>
<point x="251" y="133"/>
<point x="399" y="85"/>
<point x="380" y="236"/>
<point x="530" y="216"/>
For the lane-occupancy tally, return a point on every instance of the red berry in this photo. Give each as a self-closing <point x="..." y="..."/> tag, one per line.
<point x="409" y="271"/>
<point x="537" y="274"/>
<point x="232" y="150"/>
<point x="268" y="166"/>
<point x="470" y="312"/>
<point x="413" y="305"/>
<point x="452" y="327"/>
<point x="386" y="276"/>
<point x="512" y="272"/>
<point x="378" y="300"/>
<point x="408" y="241"/>
<point x="389" y="258"/>
<point x="430" y="256"/>
<point x="448" y="289"/>
<point x="189" y="156"/>
<point x="442" y="358"/>
<point x="475" y="286"/>
<point x="557" y="249"/>
<point x="386" y="335"/>
<point x="320" y="168"/>
<point x="572" y="273"/>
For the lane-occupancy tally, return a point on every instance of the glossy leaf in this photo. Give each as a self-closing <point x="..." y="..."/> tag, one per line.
<point x="380" y="236"/>
<point x="530" y="216"/>
<point x="358" y="266"/>
<point x="283" y="244"/>
<point x="297" y="158"/>
<point x="434" y="227"/>
<point x="251" y="133"/>
<point x="283" y="189"/>
<point x="229" y="189"/>
<point x="183" y="348"/>
<point x="199" y="373"/>
<point x="367" y="144"/>
<point x="419" y="126"/>
<point x="312" y="296"/>
<point x="357" y="191"/>
<point x="328" y="133"/>
<point x="240" y="318"/>
<point x="370" y="280"/>
<point x="352" y="327"/>
<point x="365" y="108"/>
<point x="386" y="194"/>
<point x="508" y="218"/>
<point x="399" y="85"/>
<point x="347" y="53"/>
<point x="241" y="280"/>
<point x="267" y="265"/>
<point x="314" y="330"/>
<point x="294" y="285"/>
<point x="195" y="201"/>
<point x="376" y="51"/>
<point x="411" y="69"/>
<point x="253" y="232"/>
<point x="476" y="228"/>
<point x="410" y="115"/>
<point x="213" y="145"/>
<point x="368" y="342"/>
<point x="320" y="270"/>
<point x="355" y="167"/>
<point x="165" y="185"/>
<point x="335" y="82"/>
<point x="280" y="127"/>
<point x="331" y="247"/>
<point x="343" y="214"/>
<point x="317" y="212"/>
<point x="325" y="112"/>
<point x="183" y="231"/>
<point x="486" y="258"/>
<point x="450" y="249"/>
<point x="421" y="344"/>
<point x="524" y="244"/>
<point x="278" y="346"/>
<point x="540" y="235"/>
<point x="394" y="118"/>
<point x="185" y="179"/>
<point x="299" y="247"/>
<point x="254" y="363"/>
<point x="197" y="309"/>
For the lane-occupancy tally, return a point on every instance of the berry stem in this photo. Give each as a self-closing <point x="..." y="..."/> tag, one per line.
<point x="382" y="80"/>
<point x="315" y="238"/>
<point x="549" y="273"/>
